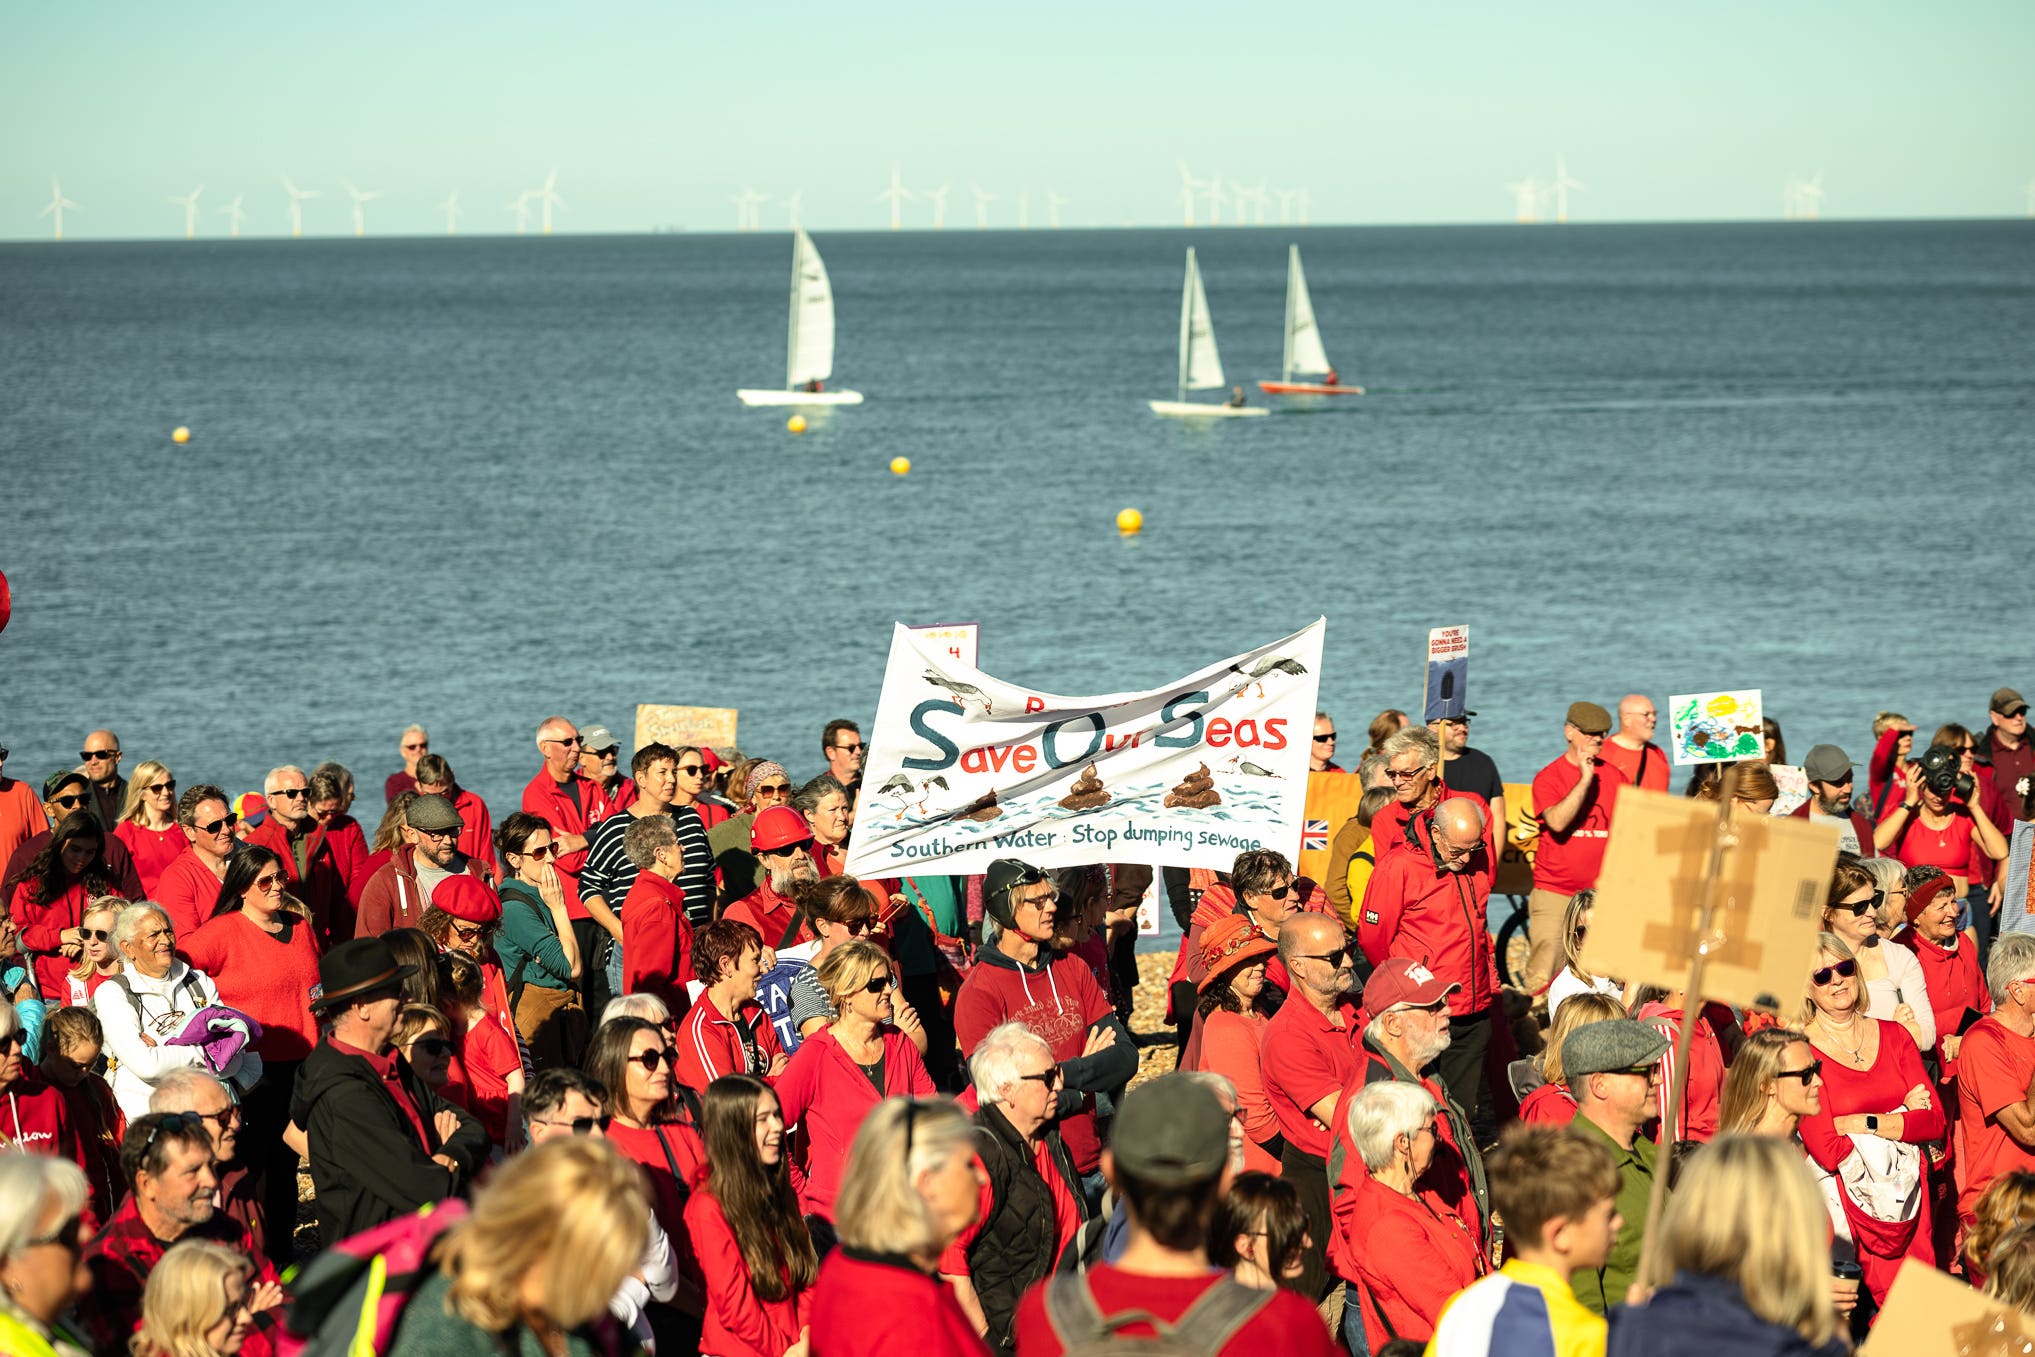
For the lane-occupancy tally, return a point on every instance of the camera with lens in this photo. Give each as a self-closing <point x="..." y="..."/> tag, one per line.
<point x="1941" y="775"/>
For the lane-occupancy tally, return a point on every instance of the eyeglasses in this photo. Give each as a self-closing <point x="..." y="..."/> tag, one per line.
<point x="268" y="881"/>
<point x="292" y="793"/>
<point x="468" y="932"/>
<point x="432" y="1046"/>
<point x="1407" y="776"/>
<point x="1050" y="1078"/>
<point x="580" y="1125"/>
<point x="217" y="825"/>
<point x="1808" y="1074"/>
<point x="539" y="852"/>
<point x="1047" y="901"/>
<point x="775" y="789"/>
<point x="69" y="1235"/>
<point x="71" y="802"/>
<point x="1325" y="739"/>
<point x="1650" y="1073"/>
<point x="89" y="754"/>
<point x="655" y="1056"/>
<point x="162" y="788"/>
<point x="692" y="769"/>
<point x="225" y="1116"/>
<point x="851" y="748"/>
<point x="877" y="984"/>
<point x="95" y="934"/>
<point x="421" y="744"/>
<point x="1825" y="974"/>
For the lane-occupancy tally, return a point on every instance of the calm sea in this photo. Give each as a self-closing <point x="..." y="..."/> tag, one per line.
<point x="474" y="482"/>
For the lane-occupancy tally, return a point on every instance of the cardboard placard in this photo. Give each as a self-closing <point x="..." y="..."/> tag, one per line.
<point x="1716" y="727"/>
<point x="1769" y="899"/>
<point x="675" y="726"/>
<point x="1448" y="675"/>
<point x="1794" y="785"/>
<point x="1932" y="1314"/>
<point x="961" y="640"/>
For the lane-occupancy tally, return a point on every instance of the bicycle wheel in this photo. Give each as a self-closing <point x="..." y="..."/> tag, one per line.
<point x="1515" y="945"/>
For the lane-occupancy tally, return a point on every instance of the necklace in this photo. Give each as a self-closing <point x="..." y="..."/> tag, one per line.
<point x="1855" y="1055"/>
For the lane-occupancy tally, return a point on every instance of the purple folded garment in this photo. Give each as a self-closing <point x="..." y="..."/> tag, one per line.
<point x="222" y="1032"/>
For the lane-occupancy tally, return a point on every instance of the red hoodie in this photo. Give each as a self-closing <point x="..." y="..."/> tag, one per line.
<point x="1059" y="1001"/>
<point x="33" y="1117"/>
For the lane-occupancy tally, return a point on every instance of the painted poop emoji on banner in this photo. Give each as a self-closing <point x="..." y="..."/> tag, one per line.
<point x="982" y="808"/>
<point x="1195" y="792"/>
<point x="1087" y="792"/>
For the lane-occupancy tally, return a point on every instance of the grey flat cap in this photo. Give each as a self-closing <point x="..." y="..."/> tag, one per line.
<point x="433" y="812"/>
<point x="1610" y="1046"/>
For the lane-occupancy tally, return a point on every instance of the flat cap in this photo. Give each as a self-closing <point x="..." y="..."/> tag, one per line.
<point x="432" y="812"/>
<point x="1589" y="718"/>
<point x="1609" y="1046"/>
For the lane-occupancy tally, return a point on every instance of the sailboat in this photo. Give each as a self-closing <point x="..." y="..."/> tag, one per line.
<point x="810" y="350"/>
<point x="1304" y="353"/>
<point x="1200" y="364"/>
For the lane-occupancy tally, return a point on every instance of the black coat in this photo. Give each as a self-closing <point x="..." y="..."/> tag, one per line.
<point x="366" y="1162"/>
<point x="1018" y="1243"/>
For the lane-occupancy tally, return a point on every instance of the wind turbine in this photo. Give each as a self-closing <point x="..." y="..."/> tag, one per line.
<point x="1189" y="186"/>
<point x="982" y="202"/>
<point x="1286" y="197"/>
<point x="232" y="211"/>
<point x="1562" y="185"/>
<point x="360" y="202"/>
<point x="548" y="195"/>
<point x="190" y="205"/>
<point x="1809" y="197"/>
<point x="1054" y="202"/>
<point x="57" y="204"/>
<point x="1256" y="197"/>
<point x="1525" y="200"/>
<point x="747" y="218"/>
<point x="1215" y="200"/>
<point x="897" y="193"/>
<point x="451" y="206"/>
<point x="791" y="205"/>
<point x="938" y="196"/>
<point x="297" y="197"/>
<point x="521" y="207"/>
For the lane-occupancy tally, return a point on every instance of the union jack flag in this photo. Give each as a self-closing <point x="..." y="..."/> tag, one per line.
<point x="1314" y="836"/>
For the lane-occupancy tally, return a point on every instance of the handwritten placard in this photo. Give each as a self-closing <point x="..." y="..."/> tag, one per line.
<point x="677" y="726"/>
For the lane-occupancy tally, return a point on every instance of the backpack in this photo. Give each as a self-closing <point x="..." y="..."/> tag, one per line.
<point x="348" y="1299"/>
<point x="1209" y="1323"/>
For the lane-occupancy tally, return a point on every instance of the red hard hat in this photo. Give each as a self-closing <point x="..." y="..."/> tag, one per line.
<point x="776" y="826"/>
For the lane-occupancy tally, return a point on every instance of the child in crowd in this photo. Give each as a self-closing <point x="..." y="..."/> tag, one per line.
<point x="1554" y="1190"/>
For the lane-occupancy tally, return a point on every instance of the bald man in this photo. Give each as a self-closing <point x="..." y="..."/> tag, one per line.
<point x="1311" y="1052"/>
<point x="570" y="802"/>
<point x="1631" y="749"/>
<point x="101" y="767"/>
<point x="1429" y="906"/>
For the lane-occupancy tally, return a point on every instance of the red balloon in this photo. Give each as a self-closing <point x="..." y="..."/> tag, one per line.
<point x="6" y="602"/>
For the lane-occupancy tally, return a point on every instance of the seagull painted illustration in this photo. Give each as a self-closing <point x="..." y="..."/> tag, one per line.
<point x="1249" y="769"/>
<point x="964" y="693"/>
<point x="1256" y="673"/>
<point x="900" y="787"/>
<point x="926" y="789"/>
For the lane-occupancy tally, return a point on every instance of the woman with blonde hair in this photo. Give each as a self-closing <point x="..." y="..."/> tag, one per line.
<point x="98" y="954"/>
<point x="547" y="1243"/>
<point x="1741" y="1264"/>
<point x="195" y="1304"/>
<point x="1895" y="987"/>
<point x="148" y="823"/>
<point x="913" y="1185"/>
<point x="2005" y="1206"/>
<point x="42" y="1254"/>
<point x="1774" y="1082"/>
<point x="1552" y="1104"/>
<point x="1570" y="976"/>
<point x="2013" y="1275"/>
<point x="1753" y="794"/>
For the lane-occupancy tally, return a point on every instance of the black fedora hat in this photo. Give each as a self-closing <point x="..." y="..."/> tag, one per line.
<point x="356" y="968"/>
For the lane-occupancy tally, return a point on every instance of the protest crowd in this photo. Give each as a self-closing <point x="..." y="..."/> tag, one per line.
<point x="634" y="1065"/>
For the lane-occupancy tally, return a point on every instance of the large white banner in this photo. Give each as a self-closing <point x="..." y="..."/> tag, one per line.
<point x="964" y="768"/>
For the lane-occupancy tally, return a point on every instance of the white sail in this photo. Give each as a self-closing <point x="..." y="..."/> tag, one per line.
<point x="1200" y="364"/>
<point x="811" y="346"/>
<point x="1304" y="352"/>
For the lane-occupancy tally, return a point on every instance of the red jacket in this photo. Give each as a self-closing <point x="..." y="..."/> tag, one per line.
<point x="545" y="797"/>
<point x="1860" y="825"/>
<point x="1388" y="826"/>
<point x="1954" y="981"/>
<point x="739" y="1323"/>
<point x="187" y="892"/>
<point x="42" y="923"/>
<point x="675" y="1162"/>
<point x="1417" y="910"/>
<point x="349" y="851"/>
<point x="656" y="941"/>
<point x="393" y="899"/>
<point x="710" y="1044"/>
<point x="1703" y="1101"/>
<point x="1410" y="1260"/>
<point x="1548" y="1105"/>
<point x="477" y="830"/>
<point x="769" y="913"/>
<point x="1446" y="1185"/>
<point x="1885" y="775"/>
<point x="882" y="1305"/>
<point x="826" y="1095"/>
<point x="322" y="888"/>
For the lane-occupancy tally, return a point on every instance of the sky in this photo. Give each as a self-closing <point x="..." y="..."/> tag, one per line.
<point x="655" y="112"/>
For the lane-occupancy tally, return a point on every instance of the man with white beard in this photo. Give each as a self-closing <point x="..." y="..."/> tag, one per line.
<point x="783" y="842"/>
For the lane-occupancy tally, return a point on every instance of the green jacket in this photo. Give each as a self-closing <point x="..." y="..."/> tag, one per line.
<point x="527" y="943"/>
<point x="427" y="1329"/>
<point x="1601" y="1288"/>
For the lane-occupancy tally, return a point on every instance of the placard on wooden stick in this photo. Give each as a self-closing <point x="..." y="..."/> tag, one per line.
<point x="675" y="726"/>
<point x="1931" y="1314"/>
<point x="1769" y="899"/>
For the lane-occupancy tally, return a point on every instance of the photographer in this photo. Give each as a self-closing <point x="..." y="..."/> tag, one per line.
<point x="1940" y="822"/>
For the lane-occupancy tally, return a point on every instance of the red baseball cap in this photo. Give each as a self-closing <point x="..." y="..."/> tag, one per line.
<point x="468" y="899"/>
<point x="710" y="759"/>
<point x="1398" y="982"/>
<point x="776" y="827"/>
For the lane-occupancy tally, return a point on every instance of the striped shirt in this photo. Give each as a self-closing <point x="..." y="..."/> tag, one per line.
<point x="1522" y="1310"/>
<point x="608" y="872"/>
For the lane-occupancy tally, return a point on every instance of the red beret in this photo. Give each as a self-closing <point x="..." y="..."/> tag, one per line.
<point x="467" y="898"/>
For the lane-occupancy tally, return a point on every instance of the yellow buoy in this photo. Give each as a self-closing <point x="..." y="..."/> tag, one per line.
<point x="1130" y="522"/>
<point x="900" y="465"/>
<point x="796" y="424"/>
<point x="180" y="434"/>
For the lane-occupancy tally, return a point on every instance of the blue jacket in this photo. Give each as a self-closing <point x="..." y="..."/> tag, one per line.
<point x="1701" y="1316"/>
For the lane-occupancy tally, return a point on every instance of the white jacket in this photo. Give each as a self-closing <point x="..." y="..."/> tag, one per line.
<point x="130" y="1004"/>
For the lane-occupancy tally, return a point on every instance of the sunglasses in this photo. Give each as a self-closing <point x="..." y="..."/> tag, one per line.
<point x="432" y="1046"/>
<point x="1048" y="1077"/>
<point x="613" y="751"/>
<point x="268" y="881"/>
<point x="468" y="932"/>
<point x="1859" y="908"/>
<point x="87" y="755"/>
<point x="655" y="1056"/>
<point x="225" y="1116"/>
<point x="803" y="845"/>
<point x="71" y="802"/>
<point x="293" y="793"/>
<point x="1808" y="1074"/>
<point x="692" y="769"/>
<point x="95" y="934"/>
<point x="581" y="1126"/>
<point x="14" y="1041"/>
<point x="426" y="744"/>
<point x="1407" y="776"/>
<point x="572" y="743"/>
<point x="877" y="984"/>
<point x="775" y="789"/>
<point x="1325" y="739"/>
<point x="540" y="852"/>
<point x="1650" y="1073"/>
<point x="851" y="748"/>
<point x="1279" y="892"/>
<point x="161" y="787"/>
<point x="1823" y="975"/>
<point x="217" y="825"/>
<point x="188" y="1121"/>
<point x="438" y="833"/>
<point x="1335" y="958"/>
<point x="70" y="1235"/>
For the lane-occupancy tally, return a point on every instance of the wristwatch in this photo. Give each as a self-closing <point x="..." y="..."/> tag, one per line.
<point x="1872" y="1123"/>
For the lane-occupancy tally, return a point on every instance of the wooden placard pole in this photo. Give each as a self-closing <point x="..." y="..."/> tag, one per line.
<point x="1724" y="840"/>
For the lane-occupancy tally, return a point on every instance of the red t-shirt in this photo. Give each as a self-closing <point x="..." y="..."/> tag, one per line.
<point x="1288" y="1325"/>
<point x="267" y="977"/>
<point x="1568" y="861"/>
<point x="1994" y="1068"/>
<point x="1305" y="1059"/>
<point x="1646" y="767"/>
<point x="489" y="1054"/>
<point x="1920" y="846"/>
<point x="153" y="850"/>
